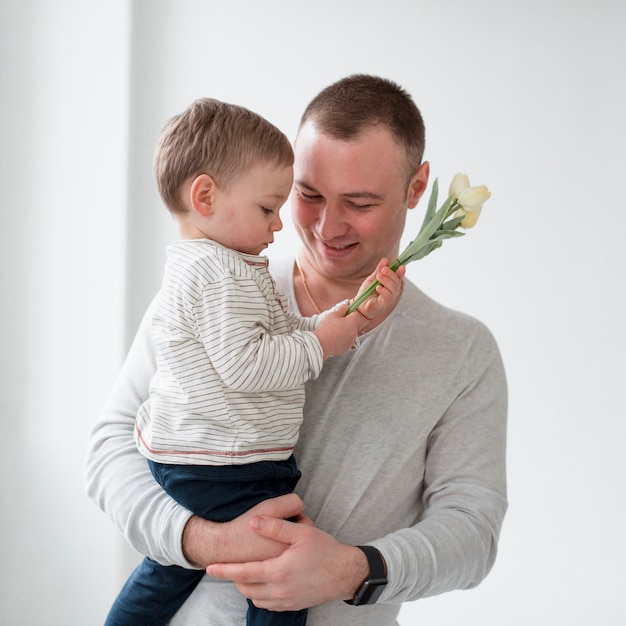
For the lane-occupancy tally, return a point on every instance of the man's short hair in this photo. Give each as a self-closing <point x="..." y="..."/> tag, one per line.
<point x="356" y="103"/>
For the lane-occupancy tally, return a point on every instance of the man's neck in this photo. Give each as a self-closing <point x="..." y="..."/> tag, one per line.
<point x="314" y="291"/>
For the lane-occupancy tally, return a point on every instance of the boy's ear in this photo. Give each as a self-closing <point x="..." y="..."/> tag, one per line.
<point x="202" y="194"/>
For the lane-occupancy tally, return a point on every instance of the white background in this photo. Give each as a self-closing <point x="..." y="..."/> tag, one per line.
<point x="526" y="97"/>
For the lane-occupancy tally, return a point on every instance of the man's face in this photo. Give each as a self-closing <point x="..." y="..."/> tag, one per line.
<point x="349" y="200"/>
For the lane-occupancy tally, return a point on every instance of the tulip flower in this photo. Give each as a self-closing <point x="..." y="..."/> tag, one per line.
<point x="471" y="199"/>
<point x="461" y="209"/>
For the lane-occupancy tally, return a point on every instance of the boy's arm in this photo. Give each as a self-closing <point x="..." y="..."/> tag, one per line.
<point x="248" y="338"/>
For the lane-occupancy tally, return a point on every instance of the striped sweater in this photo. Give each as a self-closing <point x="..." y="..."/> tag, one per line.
<point x="231" y="364"/>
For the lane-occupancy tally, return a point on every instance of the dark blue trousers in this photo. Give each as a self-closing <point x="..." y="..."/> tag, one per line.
<point x="153" y="593"/>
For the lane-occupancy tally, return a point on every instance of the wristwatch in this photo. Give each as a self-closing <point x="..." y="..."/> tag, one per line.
<point x="371" y="588"/>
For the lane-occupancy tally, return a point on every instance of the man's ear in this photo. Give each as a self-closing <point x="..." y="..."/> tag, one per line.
<point x="202" y="195"/>
<point x="418" y="184"/>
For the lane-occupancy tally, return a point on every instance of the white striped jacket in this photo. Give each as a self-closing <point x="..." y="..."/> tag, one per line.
<point x="231" y="362"/>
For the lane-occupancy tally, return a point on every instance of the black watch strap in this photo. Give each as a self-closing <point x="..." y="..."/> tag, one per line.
<point x="371" y="588"/>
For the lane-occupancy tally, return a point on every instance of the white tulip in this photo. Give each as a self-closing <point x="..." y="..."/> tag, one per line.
<point x="459" y="184"/>
<point x="473" y="198"/>
<point x="471" y="217"/>
<point x="470" y="199"/>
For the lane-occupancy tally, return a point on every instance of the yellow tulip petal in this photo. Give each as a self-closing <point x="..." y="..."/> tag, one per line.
<point x="473" y="198"/>
<point x="459" y="184"/>
<point x="471" y="217"/>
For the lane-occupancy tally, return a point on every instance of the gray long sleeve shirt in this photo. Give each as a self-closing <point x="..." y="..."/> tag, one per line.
<point x="402" y="446"/>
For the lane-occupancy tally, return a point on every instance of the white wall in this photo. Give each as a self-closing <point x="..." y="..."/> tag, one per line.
<point x="64" y="109"/>
<point x="527" y="97"/>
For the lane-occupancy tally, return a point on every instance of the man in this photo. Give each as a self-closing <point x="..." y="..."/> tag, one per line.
<point x="402" y="446"/>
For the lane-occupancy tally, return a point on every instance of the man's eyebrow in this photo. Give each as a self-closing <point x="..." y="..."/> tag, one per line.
<point x="301" y="183"/>
<point x="352" y="194"/>
<point x="362" y="194"/>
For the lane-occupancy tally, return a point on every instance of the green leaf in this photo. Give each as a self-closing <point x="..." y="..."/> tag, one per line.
<point x="446" y="234"/>
<point x="453" y="223"/>
<point x="432" y="204"/>
<point x="425" y="251"/>
<point x="426" y="232"/>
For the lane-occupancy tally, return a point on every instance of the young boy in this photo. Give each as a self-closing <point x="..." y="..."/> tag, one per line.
<point x="226" y="402"/>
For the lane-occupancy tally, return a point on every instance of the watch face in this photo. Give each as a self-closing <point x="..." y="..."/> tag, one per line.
<point x="370" y="591"/>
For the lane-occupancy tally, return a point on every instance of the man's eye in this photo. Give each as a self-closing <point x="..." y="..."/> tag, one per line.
<point x="311" y="197"/>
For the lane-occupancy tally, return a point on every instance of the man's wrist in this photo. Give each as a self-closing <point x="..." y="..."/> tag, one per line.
<point x="196" y="542"/>
<point x="375" y="580"/>
<point x="359" y="570"/>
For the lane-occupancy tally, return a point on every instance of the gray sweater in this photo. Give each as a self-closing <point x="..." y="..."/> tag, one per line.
<point x="402" y="446"/>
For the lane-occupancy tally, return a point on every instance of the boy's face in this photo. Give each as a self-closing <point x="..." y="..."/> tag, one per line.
<point x="246" y="214"/>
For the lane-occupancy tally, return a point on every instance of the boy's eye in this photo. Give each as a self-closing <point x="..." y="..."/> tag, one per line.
<point x="267" y="210"/>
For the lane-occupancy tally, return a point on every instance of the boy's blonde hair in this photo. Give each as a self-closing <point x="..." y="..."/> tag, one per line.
<point x="215" y="138"/>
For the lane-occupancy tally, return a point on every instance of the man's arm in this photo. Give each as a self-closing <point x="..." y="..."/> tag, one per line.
<point x="117" y="476"/>
<point x="452" y="546"/>
<point x="119" y="481"/>
<point x="206" y="542"/>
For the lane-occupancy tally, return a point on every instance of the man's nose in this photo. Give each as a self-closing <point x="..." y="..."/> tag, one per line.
<point x="331" y="222"/>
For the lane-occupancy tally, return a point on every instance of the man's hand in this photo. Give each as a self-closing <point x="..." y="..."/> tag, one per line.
<point x="206" y="542"/>
<point x="312" y="569"/>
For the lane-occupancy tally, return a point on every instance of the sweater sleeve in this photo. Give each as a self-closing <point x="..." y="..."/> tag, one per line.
<point x="454" y="544"/>
<point x="248" y="349"/>
<point x="117" y="476"/>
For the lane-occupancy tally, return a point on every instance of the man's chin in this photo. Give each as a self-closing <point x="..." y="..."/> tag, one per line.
<point x="344" y="267"/>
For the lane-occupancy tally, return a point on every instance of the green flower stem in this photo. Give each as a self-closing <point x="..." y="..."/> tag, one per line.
<point x="371" y="290"/>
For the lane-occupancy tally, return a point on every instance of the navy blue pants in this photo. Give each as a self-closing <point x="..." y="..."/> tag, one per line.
<point x="153" y="593"/>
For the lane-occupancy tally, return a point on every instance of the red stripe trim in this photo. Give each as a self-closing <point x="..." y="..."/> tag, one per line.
<point x="221" y="453"/>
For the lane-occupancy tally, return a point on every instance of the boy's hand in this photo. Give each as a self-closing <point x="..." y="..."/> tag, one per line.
<point x="387" y="293"/>
<point x="336" y="332"/>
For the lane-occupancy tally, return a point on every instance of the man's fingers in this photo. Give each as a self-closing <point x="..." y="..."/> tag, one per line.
<point x="244" y="573"/>
<point x="274" y="528"/>
<point x="286" y="507"/>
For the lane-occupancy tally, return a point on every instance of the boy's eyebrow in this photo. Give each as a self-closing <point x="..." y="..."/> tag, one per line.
<point x="352" y="194"/>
